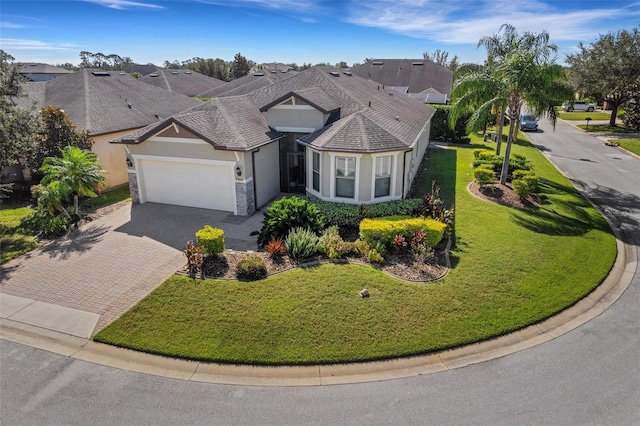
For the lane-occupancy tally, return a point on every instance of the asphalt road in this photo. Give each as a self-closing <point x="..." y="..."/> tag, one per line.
<point x="589" y="376"/>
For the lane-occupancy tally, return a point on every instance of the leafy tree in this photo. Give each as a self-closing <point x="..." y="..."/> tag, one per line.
<point x="18" y="126"/>
<point x="77" y="172"/>
<point x="240" y="66"/>
<point x="441" y="57"/>
<point x="57" y="132"/>
<point x="608" y="68"/>
<point x="111" y="62"/>
<point x="631" y="117"/>
<point x="342" y="64"/>
<point x="51" y="198"/>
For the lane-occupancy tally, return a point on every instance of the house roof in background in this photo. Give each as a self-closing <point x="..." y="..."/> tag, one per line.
<point x="186" y="82"/>
<point x="26" y="68"/>
<point x="143" y="69"/>
<point x="247" y="83"/>
<point x="106" y="102"/>
<point x="276" y="66"/>
<point x="390" y="120"/>
<point x="416" y="74"/>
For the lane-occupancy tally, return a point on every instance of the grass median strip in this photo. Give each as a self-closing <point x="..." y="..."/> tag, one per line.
<point x="512" y="268"/>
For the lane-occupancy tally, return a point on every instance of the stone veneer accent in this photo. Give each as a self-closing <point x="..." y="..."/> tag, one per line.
<point x="245" y="198"/>
<point x="133" y="188"/>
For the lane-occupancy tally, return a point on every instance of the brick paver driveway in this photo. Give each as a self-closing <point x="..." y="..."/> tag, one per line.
<point x="107" y="266"/>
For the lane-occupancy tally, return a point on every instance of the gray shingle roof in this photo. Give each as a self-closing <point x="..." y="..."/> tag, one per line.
<point x="26" y="68"/>
<point x="189" y="83"/>
<point x="407" y="72"/>
<point x="227" y="123"/>
<point x="313" y="96"/>
<point x="247" y="84"/>
<point x="371" y="119"/>
<point x="143" y="69"/>
<point x="98" y="101"/>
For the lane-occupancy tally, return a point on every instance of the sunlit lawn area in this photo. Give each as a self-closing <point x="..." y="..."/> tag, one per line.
<point x="604" y="128"/>
<point x="580" y="116"/>
<point x="632" y="145"/>
<point x="118" y="194"/>
<point x="14" y="240"/>
<point x="512" y="268"/>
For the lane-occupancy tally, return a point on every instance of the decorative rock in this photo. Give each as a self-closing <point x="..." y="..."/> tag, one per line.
<point x="364" y="292"/>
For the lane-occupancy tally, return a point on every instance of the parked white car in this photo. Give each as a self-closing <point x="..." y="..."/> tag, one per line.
<point x="578" y="106"/>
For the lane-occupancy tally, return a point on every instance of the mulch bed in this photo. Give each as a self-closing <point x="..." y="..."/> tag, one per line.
<point x="397" y="264"/>
<point x="503" y="194"/>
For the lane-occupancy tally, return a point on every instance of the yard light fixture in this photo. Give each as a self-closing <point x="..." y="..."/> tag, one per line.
<point x="238" y="171"/>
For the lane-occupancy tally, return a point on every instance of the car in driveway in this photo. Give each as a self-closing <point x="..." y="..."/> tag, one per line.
<point x="528" y="122"/>
<point x="578" y="106"/>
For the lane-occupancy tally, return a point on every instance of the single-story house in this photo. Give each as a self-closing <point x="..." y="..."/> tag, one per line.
<point x="421" y="79"/>
<point x="323" y="132"/>
<point x="186" y="82"/>
<point x="248" y="83"/>
<point x="40" y="72"/>
<point x="108" y="104"/>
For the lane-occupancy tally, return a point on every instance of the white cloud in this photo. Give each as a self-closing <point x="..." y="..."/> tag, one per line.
<point x="11" y="44"/>
<point x="125" y="4"/>
<point x="11" y="25"/>
<point x="286" y="5"/>
<point x="466" y="21"/>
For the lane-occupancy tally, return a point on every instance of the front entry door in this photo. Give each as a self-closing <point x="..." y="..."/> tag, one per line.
<point x="296" y="175"/>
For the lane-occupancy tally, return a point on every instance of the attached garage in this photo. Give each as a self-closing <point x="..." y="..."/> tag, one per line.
<point x="208" y="184"/>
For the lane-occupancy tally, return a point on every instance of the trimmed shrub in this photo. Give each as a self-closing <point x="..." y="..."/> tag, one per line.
<point x="383" y="231"/>
<point x="524" y="182"/>
<point x="46" y="225"/>
<point x="288" y="213"/>
<point x="350" y="215"/>
<point x="361" y="247"/>
<point x="301" y="243"/>
<point x="251" y="268"/>
<point x="394" y="208"/>
<point x="374" y="257"/>
<point x="484" y="175"/>
<point x="210" y="240"/>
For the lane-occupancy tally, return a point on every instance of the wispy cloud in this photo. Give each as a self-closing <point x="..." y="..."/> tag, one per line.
<point x="11" y="44"/>
<point x="126" y="4"/>
<point x="466" y="21"/>
<point x="11" y="25"/>
<point x="287" y="5"/>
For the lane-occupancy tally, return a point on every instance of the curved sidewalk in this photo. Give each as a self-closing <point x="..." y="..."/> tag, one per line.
<point x="84" y="349"/>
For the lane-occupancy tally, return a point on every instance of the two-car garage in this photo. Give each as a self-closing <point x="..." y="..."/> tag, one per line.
<point x="208" y="184"/>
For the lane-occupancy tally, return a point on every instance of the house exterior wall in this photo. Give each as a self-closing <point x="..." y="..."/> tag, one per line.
<point x="182" y="147"/>
<point x="111" y="157"/>
<point x="267" y="173"/>
<point x="301" y="119"/>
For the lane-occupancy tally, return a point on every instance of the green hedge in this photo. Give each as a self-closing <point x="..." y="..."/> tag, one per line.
<point x="350" y="215"/>
<point x="383" y="230"/>
<point x="210" y="240"/>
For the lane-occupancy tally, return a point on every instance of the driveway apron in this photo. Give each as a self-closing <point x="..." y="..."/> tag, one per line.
<point x="110" y="264"/>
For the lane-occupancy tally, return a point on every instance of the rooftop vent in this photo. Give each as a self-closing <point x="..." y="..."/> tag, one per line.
<point x="122" y="73"/>
<point x="33" y="65"/>
<point x="101" y="73"/>
<point x="334" y="73"/>
<point x="155" y="74"/>
<point x="348" y="73"/>
<point x="417" y="63"/>
<point x="397" y="118"/>
<point x="274" y="71"/>
<point x="376" y="63"/>
<point x="258" y="74"/>
<point x="174" y="72"/>
<point x="187" y="72"/>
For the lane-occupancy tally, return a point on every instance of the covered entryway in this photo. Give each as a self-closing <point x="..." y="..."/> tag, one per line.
<point x="205" y="184"/>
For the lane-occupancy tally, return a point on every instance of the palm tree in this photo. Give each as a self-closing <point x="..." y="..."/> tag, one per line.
<point x="78" y="172"/>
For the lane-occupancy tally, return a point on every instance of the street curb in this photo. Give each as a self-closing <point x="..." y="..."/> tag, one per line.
<point x="588" y="308"/>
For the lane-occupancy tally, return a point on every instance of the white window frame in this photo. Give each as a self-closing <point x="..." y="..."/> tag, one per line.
<point x="313" y="172"/>
<point x="392" y="186"/>
<point x="356" y="195"/>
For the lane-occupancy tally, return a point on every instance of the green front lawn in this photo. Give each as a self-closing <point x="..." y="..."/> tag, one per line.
<point x="632" y="145"/>
<point x="604" y="128"/>
<point x="512" y="268"/>
<point x="113" y="196"/>
<point x="580" y="116"/>
<point x="14" y="240"/>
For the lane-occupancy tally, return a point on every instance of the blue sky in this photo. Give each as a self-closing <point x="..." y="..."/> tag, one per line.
<point x="298" y="31"/>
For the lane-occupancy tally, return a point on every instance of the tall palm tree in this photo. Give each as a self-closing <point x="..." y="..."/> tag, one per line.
<point x="77" y="170"/>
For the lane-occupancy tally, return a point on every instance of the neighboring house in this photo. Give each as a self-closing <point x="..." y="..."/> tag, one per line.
<point x="186" y="82"/>
<point x="143" y="69"/>
<point x="248" y="83"/>
<point x="322" y="132"/>
<point x="108" y="104"/>
<point x="276" y="66"/>
<point x="421" y="79"/>
<point x="40" y="72"/>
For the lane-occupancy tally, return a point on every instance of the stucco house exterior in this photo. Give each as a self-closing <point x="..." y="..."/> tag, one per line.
<point x="323" y="132"/>
<point x="108" y="104"/>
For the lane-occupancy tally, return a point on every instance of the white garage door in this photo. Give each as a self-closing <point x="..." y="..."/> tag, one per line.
<point x="208" y="186"/>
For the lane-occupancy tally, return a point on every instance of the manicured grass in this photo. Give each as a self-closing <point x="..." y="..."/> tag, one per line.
<point x="604" y="128"/>
<point x="580" y="116"/>
<point x="14" y="240"/>
<point x="632" y="145"/>
<point x="120" y="193"/>
<point x="512" y="268"/>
